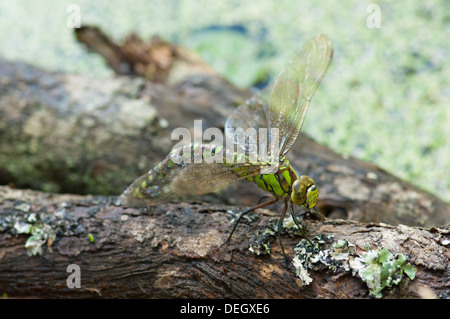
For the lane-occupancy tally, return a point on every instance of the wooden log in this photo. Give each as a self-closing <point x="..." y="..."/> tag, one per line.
<point x="170" y="251"/>
<point x="68" y="133"/>
<point x="75" y="134"/>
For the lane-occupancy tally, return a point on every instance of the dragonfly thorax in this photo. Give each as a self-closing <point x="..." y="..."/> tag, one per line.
<point x="286" y="184"/>
<point x="304" y="192"/>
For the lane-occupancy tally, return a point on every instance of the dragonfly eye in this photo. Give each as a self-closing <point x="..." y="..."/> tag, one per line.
<point x="299" y="190"/>
<point x="305" y="192"/>
<point x="311" y="196"/>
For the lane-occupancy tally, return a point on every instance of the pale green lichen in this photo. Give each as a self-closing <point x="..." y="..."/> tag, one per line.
<point x="291" y="227"/>
<point x="381" y="269"/>
<point x="301" y="272"/>
<point x="378" y="269"/>
<point x="310" y="256"/>
<point x="40" y="235"/>
<point x="22" y="228"/>
<point x="261" y="246"/>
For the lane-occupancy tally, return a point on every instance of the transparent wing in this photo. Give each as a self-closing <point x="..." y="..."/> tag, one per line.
<point x="289" y="101"/>
<point x="213" y="177"/>
<point x="242" y="128"/>
<point x="294" y="89"/>
<point x="173" y="178"/>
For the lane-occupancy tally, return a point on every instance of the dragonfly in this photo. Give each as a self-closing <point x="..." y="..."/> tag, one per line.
<point x="199" y="168"/>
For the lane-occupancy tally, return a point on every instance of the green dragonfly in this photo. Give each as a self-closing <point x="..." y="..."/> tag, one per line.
<point x="199" y="168"/>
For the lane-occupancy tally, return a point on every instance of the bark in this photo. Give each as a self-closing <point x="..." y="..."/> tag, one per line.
<point x="170" y="251"/>
<point x="75" y="134"/>
<point x="69" y="133"/>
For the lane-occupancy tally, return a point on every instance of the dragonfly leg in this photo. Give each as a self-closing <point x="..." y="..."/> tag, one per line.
<point x="280" y="223"/>
<point x="244" y="212"/>
<point x="302" y="230"/>
<point x="318" y="214"/>
<point x="264" y="197"/>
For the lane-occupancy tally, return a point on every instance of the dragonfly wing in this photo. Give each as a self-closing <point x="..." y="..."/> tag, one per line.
<point x="294" y="89"/>
<point x="179" y="175"/>
<point x="242" y="128"/>
<point x="198" y="179"/>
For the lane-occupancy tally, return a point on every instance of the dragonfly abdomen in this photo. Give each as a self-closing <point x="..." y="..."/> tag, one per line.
<point x="163" y="181"/>
<point x="280" y="183"/>
<point x="151" y="187"/>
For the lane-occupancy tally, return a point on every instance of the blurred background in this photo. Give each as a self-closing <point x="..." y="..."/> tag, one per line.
<point x="385" y="99"/>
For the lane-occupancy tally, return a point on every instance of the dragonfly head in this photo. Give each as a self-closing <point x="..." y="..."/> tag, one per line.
<point x="304" y="192"/>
